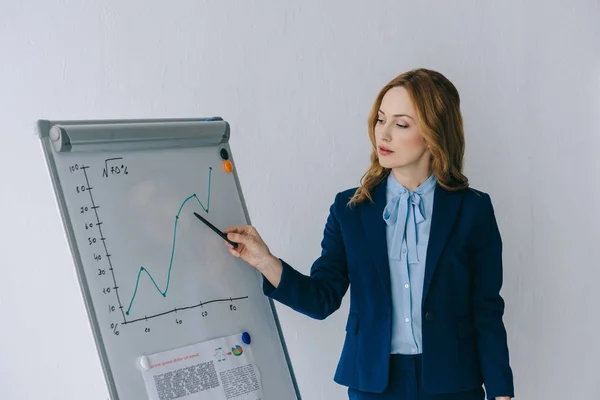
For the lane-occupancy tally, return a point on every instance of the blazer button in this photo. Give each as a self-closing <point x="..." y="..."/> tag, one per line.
<point x="429" y="316"/>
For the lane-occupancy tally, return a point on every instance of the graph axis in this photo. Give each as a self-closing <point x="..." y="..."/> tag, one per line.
<point x="176" y="309"/>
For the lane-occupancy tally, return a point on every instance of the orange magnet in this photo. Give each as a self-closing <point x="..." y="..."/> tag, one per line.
<point x="227" y="166"/>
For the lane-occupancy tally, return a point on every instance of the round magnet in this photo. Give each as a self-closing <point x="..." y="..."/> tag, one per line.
<point x="224" y="154"/>
<point x="144" y="363"/>
<point x="246" y="338"/>
<point x="227" y="165"/>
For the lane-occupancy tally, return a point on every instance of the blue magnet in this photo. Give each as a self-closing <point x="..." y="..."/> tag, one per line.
<point x="246" y="338"/>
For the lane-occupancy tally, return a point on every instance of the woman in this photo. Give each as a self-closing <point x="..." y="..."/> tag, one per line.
<point x="422" y="251"/>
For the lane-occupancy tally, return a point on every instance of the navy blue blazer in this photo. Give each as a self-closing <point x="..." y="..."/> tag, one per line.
<point x="464" y="338"/>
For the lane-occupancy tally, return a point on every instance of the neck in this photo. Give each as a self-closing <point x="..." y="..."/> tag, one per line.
<point x="411" y="177"/>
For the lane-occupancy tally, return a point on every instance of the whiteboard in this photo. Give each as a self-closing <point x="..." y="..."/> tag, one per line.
<point x="152" y="276"/>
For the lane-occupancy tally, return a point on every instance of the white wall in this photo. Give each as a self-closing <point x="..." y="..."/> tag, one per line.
<point x="296" y="81"/>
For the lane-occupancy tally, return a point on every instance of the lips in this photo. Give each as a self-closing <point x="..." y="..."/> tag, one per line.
<point x="384" y="151"/>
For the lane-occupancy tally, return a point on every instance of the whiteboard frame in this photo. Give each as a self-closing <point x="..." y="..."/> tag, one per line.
<point x="43" y="127"/>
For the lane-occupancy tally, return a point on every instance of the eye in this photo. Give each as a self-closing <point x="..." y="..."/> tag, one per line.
<point x="402" y="126"/>
<point x="379" y="121"/>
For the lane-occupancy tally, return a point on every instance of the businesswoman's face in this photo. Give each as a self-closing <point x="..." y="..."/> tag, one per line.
<point x="398" y="138"/>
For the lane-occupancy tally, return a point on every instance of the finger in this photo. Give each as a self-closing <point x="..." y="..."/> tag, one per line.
<point x="237" y="229"/>
<point x="239" y="238"/>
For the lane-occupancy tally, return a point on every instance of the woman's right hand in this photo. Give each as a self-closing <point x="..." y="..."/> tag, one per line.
<point x="251" y="247"/>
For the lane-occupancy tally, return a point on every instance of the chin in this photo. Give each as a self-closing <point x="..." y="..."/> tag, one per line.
<point x="391" y="164"/>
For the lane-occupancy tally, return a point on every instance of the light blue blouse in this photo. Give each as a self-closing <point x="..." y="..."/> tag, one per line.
<point x="408" y="218"/>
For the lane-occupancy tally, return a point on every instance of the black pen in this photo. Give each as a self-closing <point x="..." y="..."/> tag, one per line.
<point x="217" y="231"/>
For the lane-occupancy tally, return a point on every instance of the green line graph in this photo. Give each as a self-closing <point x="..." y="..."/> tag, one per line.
<point x="143" y="269"/>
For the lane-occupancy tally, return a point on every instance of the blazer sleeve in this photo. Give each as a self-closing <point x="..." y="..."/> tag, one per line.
<point x="488" y="305"/>
<point x="321" y="293"/>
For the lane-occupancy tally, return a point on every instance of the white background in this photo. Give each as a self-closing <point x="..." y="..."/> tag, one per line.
<point x="296" y="81"/>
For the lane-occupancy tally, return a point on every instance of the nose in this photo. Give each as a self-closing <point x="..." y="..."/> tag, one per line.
<point x="384" y="132"/>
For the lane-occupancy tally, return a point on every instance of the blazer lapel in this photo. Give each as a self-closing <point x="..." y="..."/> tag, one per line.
<point x="446" y="205"/>
<point x="375" y="235"/>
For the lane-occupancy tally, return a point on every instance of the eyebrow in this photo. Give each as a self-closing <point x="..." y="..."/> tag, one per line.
<point x="398" y="115"/>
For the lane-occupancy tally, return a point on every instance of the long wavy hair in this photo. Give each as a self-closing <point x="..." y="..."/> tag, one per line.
<point x="437" y="106"/>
